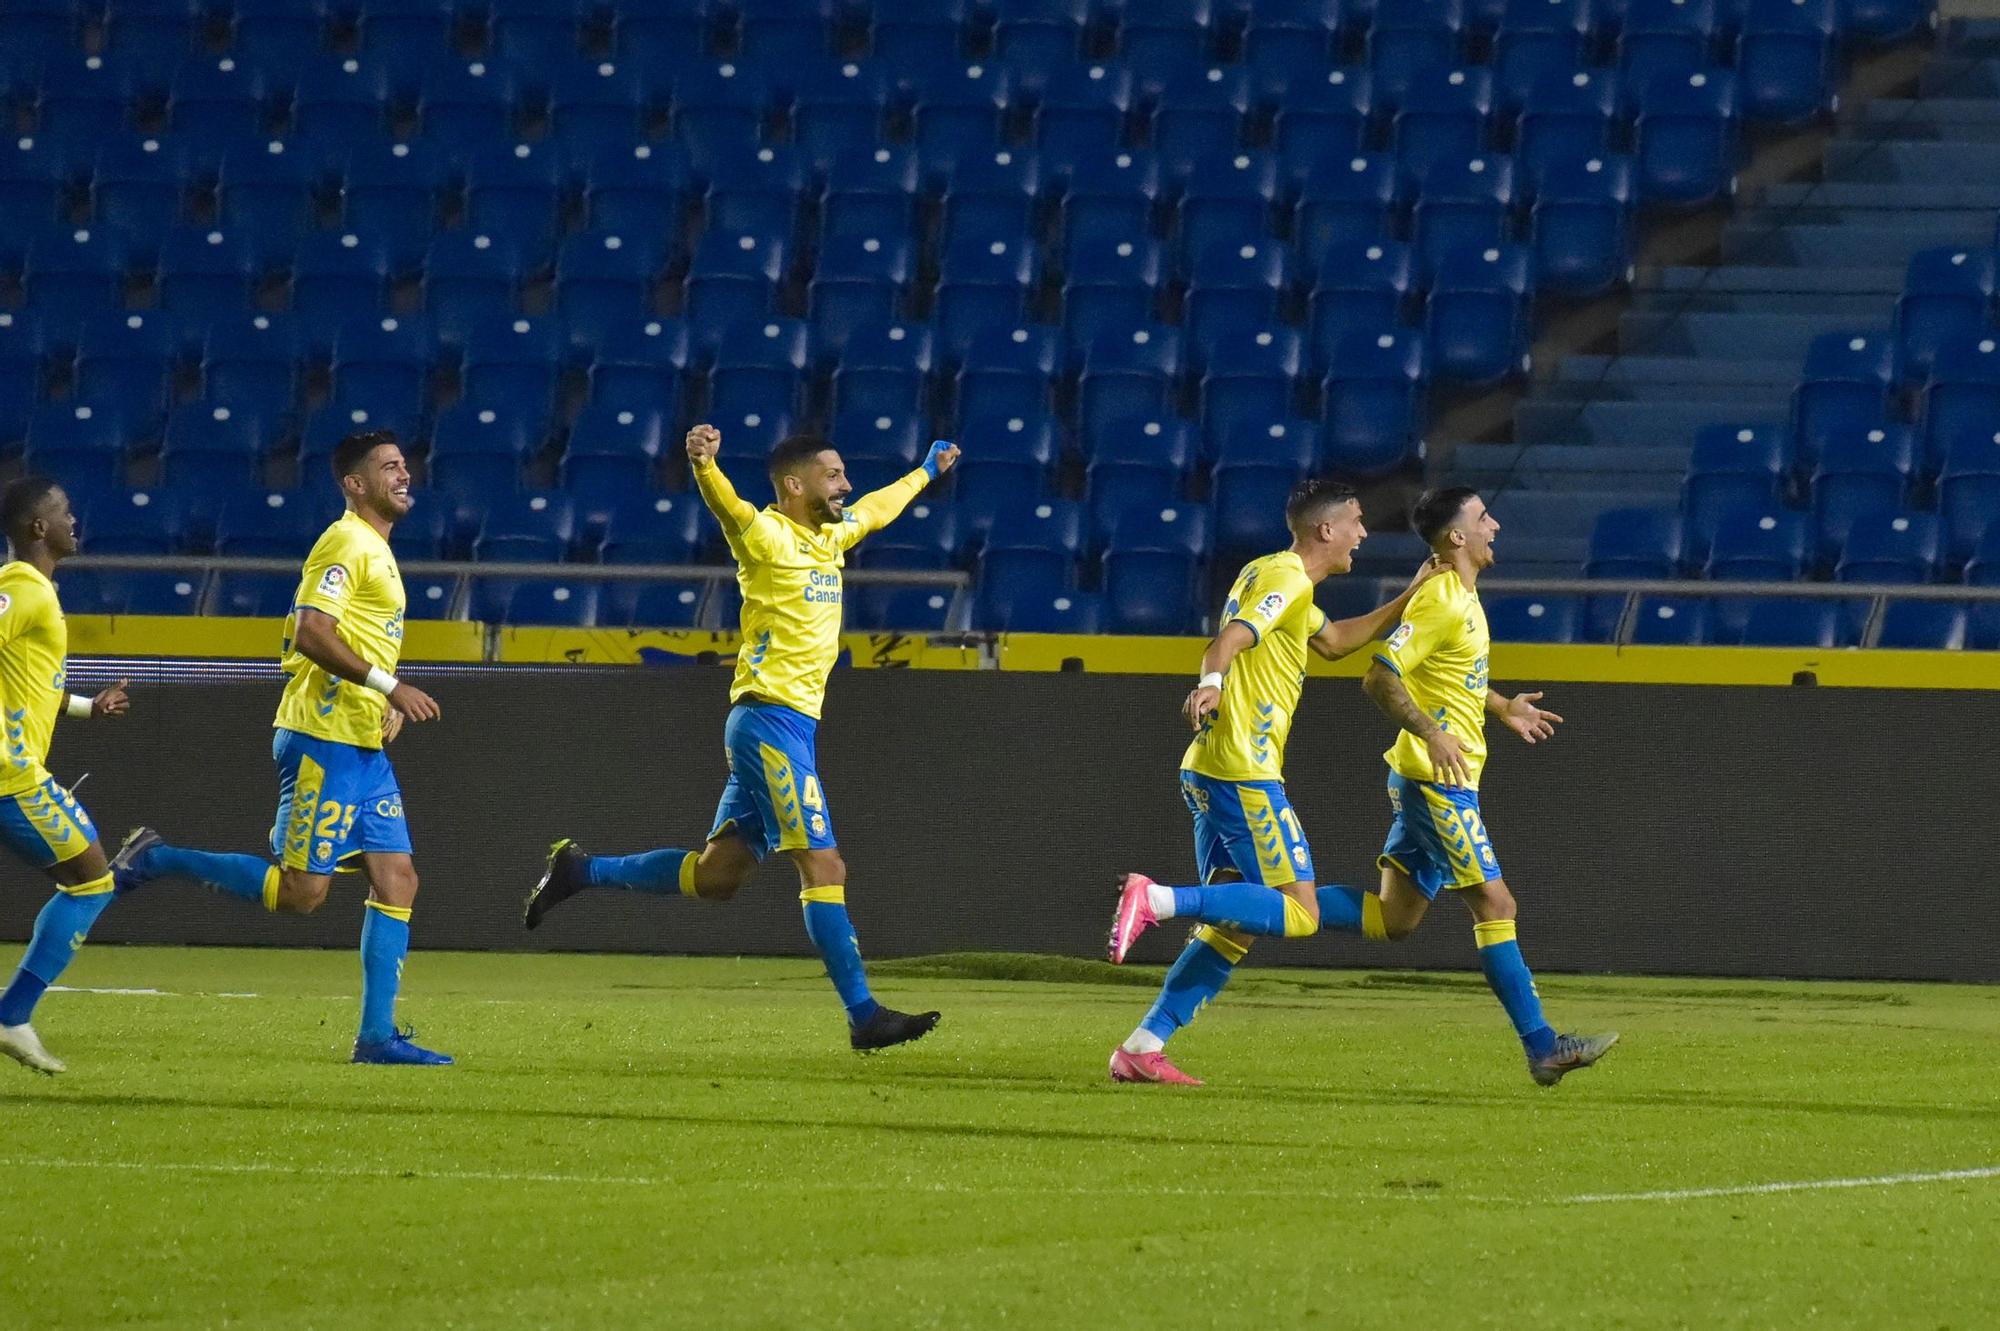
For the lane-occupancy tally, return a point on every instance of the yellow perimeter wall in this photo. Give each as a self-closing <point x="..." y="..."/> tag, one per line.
<point x="207" y="636"/>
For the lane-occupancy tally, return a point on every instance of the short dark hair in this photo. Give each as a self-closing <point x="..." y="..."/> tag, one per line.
<point x="1313" y="496"/>
<point x="23" y="497"/>
<point x="794" y="452"/>
<point x="1438" y="509"/>
<point x="351" y="452"/>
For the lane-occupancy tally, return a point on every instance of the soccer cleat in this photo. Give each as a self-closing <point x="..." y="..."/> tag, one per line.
<point x="21" y="1044"/>
<point x="1571" y="1052"/>
<point x="886" y="1027"/>
<point x="563" y="879"/>
<point x="1134" y="917"/>
<point x="1127" y="1066"/>
<point x="399" y="1050"/>
<point x="137" y="842"/>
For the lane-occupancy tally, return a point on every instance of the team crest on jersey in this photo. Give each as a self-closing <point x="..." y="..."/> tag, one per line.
<point x="5" y="601"/>
<point x="1299" y="856"/>
<point x="1404" y="632"/>
<point x="1270" y="605"/>
<point x="333" y="582"/>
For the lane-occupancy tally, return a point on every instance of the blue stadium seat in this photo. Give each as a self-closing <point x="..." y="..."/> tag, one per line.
<point x="255" y="595"/>
<point x="878" y="447"/>
<point x="1109" y="196"/>
<point x="527" y="528"/>
<point x="208" y="448"/>
<point x="1661" y="39"/>
<point x="392" y="190"/>
<point x="436" y="527"/>
<point x="1007" y="462"/>
<point x="1007" y="373"/>
<point x="1969" y="494"/>
<point x="1963" y="396"/>
<point x="1256" y="465"/>
<point x="513" y="193"/>
<point x="656" y="605"/>
<point x="1464" y="205"/>
<point x="265" y="187"/>
<point x="276" y="34"/>
<point x="1946" y="295"/>
<point x="340" y="100"/>
<point x="1153" y="559"/>
<point x="1128" y="373"/>
<point x="1890" y="547"/>
<point x="1235" y="285"/>
<point x="206" y="273"/>
<point x="1373" y="400"/>
<point x="1324" y="115"/>
<point x="959" y="113"/>
<point x="860" y="280"/>
<point x="607" y="277"/>
<point x="339" y="275"/>
<point x="1785" y="58"/>
<point x="1110" y="284"/>
<point x="925" y="537"/>
<point x="719" y="112"/>
<point x="1686" y="142"/>
<point x="1248" y="376"/>
<point x="1539" y="40"/>
<point x="1361" y="286"/>
<point x="72" y="272"/>
<point x="85" y="98"/>
<point x="598" y="105"/>
<point x="1166" y="34"/>
<point x="1938" y="626"/>
<point x="465" y="106"/>
<point x="515" y="365"/>
<point x="1884" y="20"/>
<point x="984" y="283"/>
<point x="527" y="31"/>
<point x="641" y="192"/>
<point x="733" y="278"/>
<point x="1534" y="619"/>
<point x="1861" y="471"/>
<point x="983" y="198"/>
<point x="1759" y="545"/>
<point x="1409" y="38"/>
<point x="549" y="603"/>
<point x="1227" y="200"/>
<point x="612" y="453"/>
<point x="784" y="33"/>
<point x="341" y="416"/>
<point x="1847" y="383"/>
<point x="1084" y="109"/>
<point x="1566" y="118"/>
<point x="78" y="442"/>
<point x="661" y="36"/>
<point x="838" y="112"/>
<point x="138" y="185"/>
<point x="35" y="177"/>
<point x="1731" y="467"/>
<point x="759" y="367"/>
<point x="1635" y="543"/>
<point x="468" y="282"/>
<point x="1198" y="115"/>
<point x="1441" y="119"/>
<point x="1675" y="622"/>
<point x="104" y="592"/>
<point x="413" y="35"/>
<point x="250" y="361"/>
<point x="477" y="452"/>
<point x="266" y="525"/>
<point x="1786" y="623"/>
<point x="386" y="362"/>
<point x="1580" y="226"/>
<point x="883" y="368"/>
<point x="920" y="37"/>
<point x="653" y="529"/>
<point x="124" y="363"/>
<point x="1137" y="462"/>
<point x="1476" y="320"/>
<point x="636" y="365"/>
<point x="872" y="607"/>
<point x="22" y="353"/>
<point x="875" y="193"/>
<point x="1039" y="34"/>
<point x="138" y="522"/>
<point x="1286" y="43"/>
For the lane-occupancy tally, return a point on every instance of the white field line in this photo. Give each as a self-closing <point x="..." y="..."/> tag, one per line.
<point x="1799" y="1185"/>
<point x="139" y="993"/>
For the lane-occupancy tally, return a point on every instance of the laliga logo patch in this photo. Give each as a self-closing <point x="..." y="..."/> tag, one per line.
<point x="1270" y="605"/>
<point x="333" y="582"/>
<point x="1404" y="632"/>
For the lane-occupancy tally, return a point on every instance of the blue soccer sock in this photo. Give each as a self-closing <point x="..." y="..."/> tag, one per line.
<point x="1350" y="910"/>
<point x="664" y="871"/>
<point x="1249" y="908"/>
<point x="59" y="930"/>
<point x="833" y="934"/>
<point x="247" y="876"/>
<point x="1513" y="985"/>
<point x="385" y="941"/>
<point x="1193" y="981"/>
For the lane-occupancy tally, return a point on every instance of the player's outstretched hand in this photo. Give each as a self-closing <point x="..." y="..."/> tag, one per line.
<point x="392" y="725"/>
<point x="1448" y="759"/>
<point x="942" y="455"/>
<point x="1201" y="704"/>
<point x="1527" y="720"/>
<point x="703" y="443"/>
<point x="112" y="701"/>
<point x="414" y="703"/>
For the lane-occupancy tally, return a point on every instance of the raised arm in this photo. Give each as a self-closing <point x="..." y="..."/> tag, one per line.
<point x="1344" y="637"/>
<point x="1235" y="637"/>
<point x="1521" y="715"/>
<point x="731" y="509"/>
<point x="878" y="508"/>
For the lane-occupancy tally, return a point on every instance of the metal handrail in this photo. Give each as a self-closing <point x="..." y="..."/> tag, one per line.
<point x="452" y="568"/>
<point x="1634" y="590"/>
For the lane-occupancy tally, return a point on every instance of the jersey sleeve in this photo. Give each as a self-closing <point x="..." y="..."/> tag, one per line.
<point x="1428" y="621"/>
<point x="878" y="508"/>
<point x="752" y="533"/>
<point x="331" y="573"/>
<point x="1274" y="600"/>
<point x="19" y="609"/>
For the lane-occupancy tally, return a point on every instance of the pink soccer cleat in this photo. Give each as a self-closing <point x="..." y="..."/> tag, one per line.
<point x="1134" y="917"/>
<point x="1153" y="1067"/>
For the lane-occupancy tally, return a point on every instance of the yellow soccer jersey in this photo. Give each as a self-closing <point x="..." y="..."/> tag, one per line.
<point x="352" y="576"/>
<point x="1245" y="739"/>
<point x="1440" y="651"/>
<point x="34" y="641"/>
<point x="790" y="576"/>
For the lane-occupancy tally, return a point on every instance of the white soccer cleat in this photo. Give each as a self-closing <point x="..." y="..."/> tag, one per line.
<point x="21" y="1044"/>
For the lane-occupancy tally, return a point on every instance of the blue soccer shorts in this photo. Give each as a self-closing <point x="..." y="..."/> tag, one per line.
<point x="1437" y="837"/>
<point x="773" y="800"/>
<point x="1247" y="826"/>
<point x="336" y="803"/>
<point x="45" y="825"/>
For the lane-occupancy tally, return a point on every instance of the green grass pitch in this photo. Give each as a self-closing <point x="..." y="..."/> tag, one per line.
<point x="660" y="1142"/>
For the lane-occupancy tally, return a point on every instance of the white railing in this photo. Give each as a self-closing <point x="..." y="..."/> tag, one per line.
<point x="1633" y="591"/>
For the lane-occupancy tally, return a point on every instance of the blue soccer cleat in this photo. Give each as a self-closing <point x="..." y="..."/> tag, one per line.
<point x="137" y="842"/>
<point x="1571" y="1053"/>
<point x="398" y="1050"/>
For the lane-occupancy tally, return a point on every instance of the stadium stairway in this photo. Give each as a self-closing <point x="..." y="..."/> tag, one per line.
<point x="1725" y="341"/>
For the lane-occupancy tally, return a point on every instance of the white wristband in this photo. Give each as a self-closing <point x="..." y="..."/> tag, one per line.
<point x="80" y="706"/>
<point x="1212" y="680"/>
<point x="380" y="680"/>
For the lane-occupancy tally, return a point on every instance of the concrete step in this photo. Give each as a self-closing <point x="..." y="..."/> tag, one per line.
<point x="1769" y="337"/>
<point x="1669" y="424"/>
<point x="1968" y="195"/>
<point x="1847" y="247"/>
<point x="1765" y="279"/>
<point x="1644" y="375"/>
<point x="1865" y="307"/>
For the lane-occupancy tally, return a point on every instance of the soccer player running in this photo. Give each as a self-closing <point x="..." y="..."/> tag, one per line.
<point x="788" y="561"/>
<point x="338" y="798"/>
<point x="1256" y="869"/>
<point x="40" y="821"/>
<point x="1429" y="677"/>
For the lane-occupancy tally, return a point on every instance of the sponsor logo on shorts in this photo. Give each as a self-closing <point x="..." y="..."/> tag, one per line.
<point x="389" y="808"/>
